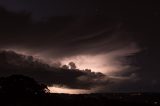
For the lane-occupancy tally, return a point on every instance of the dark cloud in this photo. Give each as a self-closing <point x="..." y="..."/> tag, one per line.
<point x="115" y="29"/>
<point x="43" y="9"/>
<point x="13" y="63"/>
<point x="62" y="36"/>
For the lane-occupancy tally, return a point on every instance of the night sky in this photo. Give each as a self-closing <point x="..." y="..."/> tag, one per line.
<point x="119" y="39"/>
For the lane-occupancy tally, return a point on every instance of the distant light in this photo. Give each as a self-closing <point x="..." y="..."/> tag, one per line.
<point x="68" y="90"/>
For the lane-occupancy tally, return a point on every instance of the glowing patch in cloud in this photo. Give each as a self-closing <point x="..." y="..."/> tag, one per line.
<point x="108" y="63"/>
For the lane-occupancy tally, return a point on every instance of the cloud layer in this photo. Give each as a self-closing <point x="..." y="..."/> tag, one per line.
<point x="105" y="43"/>
<point x="13" y="63"/>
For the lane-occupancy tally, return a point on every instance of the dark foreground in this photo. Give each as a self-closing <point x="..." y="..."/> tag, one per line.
<point x="112" y="99"/>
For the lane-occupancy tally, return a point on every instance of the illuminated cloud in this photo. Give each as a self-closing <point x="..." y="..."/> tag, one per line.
<point x="71" y="80"/>
<point x="95" y="43"/>
<point x="108" y="63"/>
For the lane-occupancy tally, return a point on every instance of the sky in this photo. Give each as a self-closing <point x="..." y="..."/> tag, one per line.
<point x="119" y="39"/>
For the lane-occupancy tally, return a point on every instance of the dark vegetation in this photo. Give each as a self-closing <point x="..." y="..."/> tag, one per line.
<point x="20" y="85"/>
<point x="19" y="90"/>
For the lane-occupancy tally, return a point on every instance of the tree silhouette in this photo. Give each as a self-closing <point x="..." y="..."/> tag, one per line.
<point x="65" y="67"/>
<point x="72" y="65"/>
<point x="21" y="85"/>
<point x="88" y="70"/>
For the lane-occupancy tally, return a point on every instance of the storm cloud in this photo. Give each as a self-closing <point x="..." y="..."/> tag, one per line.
<point x="108" y="41"/>
<point x="64" y="37"/>
<point x="13" y="63"/>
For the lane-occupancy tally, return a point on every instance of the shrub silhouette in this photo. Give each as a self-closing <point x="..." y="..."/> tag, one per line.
<point x="21" y="85"/>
